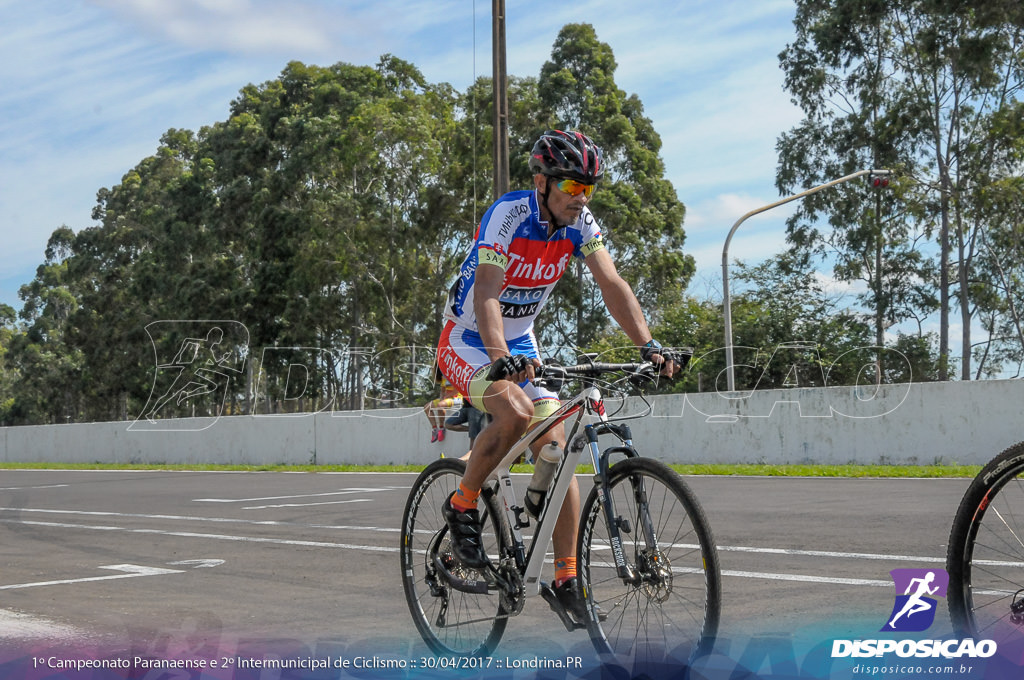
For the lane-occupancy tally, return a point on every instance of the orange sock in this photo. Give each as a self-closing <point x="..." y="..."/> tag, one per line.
<point x="565" y="569"/>
<point x="464" y="499"/>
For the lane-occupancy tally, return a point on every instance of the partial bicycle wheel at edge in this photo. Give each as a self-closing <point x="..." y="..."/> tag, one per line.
<point x="985" y="555"/>
<point x="450" y="621"/>
<point x="670" y="613"/>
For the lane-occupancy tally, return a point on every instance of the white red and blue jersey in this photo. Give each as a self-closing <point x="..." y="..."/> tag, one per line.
<point x="513" y="237"/>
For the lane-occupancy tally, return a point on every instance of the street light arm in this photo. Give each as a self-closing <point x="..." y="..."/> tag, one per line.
<point x="802" y="194"/>
<point x="726" y="307"/>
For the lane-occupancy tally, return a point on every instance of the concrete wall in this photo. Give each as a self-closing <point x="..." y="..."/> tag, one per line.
<point x="923" y="423"/>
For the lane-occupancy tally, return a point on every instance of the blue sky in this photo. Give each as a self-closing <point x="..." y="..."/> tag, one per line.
<point x="90" y="86"/>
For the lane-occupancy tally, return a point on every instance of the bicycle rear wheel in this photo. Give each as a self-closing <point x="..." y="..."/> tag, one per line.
<point x="450" y="621"/>
<point x="668" y="613"/>
<point x="985" y="554"/>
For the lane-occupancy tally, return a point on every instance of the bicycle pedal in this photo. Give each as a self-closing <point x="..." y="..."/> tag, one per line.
<point x="548" y="593"/>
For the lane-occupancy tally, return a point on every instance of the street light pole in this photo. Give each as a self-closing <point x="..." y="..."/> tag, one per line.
<point x="726" y="306"/>
<point x="500" y="89"/>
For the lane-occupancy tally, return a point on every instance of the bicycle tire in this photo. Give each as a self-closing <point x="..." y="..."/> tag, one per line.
<point x="985" y="553"/>
<point x="650" y="624"/>
<point x="449" y="621"/>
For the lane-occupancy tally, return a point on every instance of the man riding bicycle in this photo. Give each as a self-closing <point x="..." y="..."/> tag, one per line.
<point x="522" y="248"/>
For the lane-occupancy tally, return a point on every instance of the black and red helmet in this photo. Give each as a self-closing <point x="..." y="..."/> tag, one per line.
<point x="567" y="155"/>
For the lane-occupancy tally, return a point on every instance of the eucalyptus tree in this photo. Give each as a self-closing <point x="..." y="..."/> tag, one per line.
<point x="334" y="174"/>
<point x="638" y="208"/>
<point x="42" y="355"/>
<point x="326" y="215"/>
<point x="8" y="373"/>
<point x="914" y="85"/>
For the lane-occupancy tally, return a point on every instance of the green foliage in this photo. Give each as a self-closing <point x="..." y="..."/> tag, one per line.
<point x="638" y="209"/>
<point x="931" y="90"/>
<point x="326" y="215"/>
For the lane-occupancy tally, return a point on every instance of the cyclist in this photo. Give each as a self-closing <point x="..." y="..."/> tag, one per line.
<point x="436" y="409"/>
<point x="523" y="247"/>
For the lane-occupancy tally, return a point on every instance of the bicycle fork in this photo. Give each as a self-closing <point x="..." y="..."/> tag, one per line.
<point x="649" y="570"/>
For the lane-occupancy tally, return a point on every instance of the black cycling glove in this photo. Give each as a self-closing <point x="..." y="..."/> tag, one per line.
<point x="680" y="356"/>
<point x="508" y="365"/>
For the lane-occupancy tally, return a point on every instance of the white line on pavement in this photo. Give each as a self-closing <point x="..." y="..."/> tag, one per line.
<point x="191" y="534"/>
<point x="19" y="488"/>
<point x="131" y="571"/>
<point x="190" y="518"/>
<point x="340" y="492"/>
<point x="305" y="505"/>
<point x="387" y="549"/>
<point x="17" y="625"/>
<point x="346" y="527"/>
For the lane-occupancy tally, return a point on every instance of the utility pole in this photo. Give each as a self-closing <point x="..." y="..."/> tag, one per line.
<point x="500" y="85"/>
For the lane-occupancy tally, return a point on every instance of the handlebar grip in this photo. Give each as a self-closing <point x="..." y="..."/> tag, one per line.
<point x="506" y="366"/>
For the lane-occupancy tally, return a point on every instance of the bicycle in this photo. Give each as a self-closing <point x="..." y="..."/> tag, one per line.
<point x="985" y="553"/>
<point x="648" y="564"/>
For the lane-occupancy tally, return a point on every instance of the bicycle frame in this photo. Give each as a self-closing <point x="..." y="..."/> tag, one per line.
<point x="588" y="421"/>
<point x="625" y="576"/>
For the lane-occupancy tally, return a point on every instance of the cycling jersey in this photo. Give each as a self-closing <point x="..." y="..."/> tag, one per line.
<point x="513" y="237"/>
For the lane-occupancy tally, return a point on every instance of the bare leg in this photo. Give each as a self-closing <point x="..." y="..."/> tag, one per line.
<point x="511" y="410"/>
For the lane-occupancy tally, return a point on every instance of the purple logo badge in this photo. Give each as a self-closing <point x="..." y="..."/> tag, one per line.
<point x="916" y="590"/>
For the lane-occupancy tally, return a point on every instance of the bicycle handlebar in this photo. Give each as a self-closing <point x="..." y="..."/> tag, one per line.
<point x="594" y="369"/>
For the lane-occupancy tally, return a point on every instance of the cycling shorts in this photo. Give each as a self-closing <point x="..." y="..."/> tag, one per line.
<point x="463" y="360"/>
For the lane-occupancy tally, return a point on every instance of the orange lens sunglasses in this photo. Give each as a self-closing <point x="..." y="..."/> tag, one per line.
<point x="574" y="188"/>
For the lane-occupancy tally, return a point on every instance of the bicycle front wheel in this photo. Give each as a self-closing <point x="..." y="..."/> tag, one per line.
<point x="451" y="622"/>
<point x="985" y="554"/>
<point x="666" y="609"/>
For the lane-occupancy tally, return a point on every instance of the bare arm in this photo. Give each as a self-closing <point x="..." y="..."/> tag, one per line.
<point x="623" y="305"/>
<point x="489" y="279"/>
<point x="619" y="298"/>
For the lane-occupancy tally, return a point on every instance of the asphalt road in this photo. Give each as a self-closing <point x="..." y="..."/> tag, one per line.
<point x="164" y="563"/>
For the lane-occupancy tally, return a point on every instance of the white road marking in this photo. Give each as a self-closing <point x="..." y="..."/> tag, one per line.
<point x="387" y="549"/>
<point x="810" y="579"/>
<point x="131" y="571"/>
<point x="15" y="625"/>
<point x="19" y="488"/>
<point x="604" y="545"/>
<point x="395" y="530"/>
<point x="191" y="518"/>
<point x="306" y="505"/>
<point x="197" y="564"/>
<point x="829" y="553"/>
<point x="340" y="492"/>
<point x="219" y="537"/>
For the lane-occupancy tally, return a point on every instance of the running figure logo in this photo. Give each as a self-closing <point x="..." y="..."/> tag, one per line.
<point x="914" y="610"/>
<point x="208" y="356"/>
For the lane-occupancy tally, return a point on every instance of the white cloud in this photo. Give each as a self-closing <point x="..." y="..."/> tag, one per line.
<point x="241" y="26"/>
<point x="90" y="85"/>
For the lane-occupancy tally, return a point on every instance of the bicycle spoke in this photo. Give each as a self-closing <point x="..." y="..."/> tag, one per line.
<point x="986" y="552"/>
<point x="671" y="609"/>
<point x="450" y="621"/>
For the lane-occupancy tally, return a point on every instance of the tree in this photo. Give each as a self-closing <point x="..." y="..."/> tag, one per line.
<point x="8" y="375"/>
<point x="327" y="215"/>
<point x="914" y="85"/>
<point x="47" y="365"/>
<point x="638" y="209"/>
